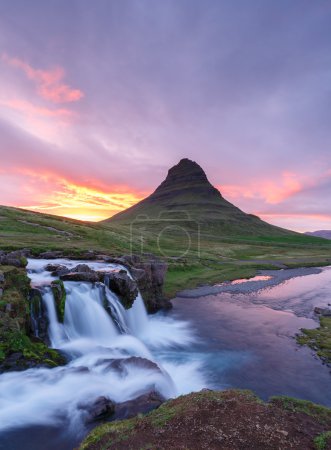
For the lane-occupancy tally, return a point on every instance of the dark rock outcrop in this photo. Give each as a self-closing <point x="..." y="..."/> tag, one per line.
<point x="38" y="316"/>
<point x="100" y="409"/>
<point x="57" y="269"/>
<point x="123" y="286"/>
<point x="91" y="277"/>
<point x="122" y="365"/>
<point x="324" y="312"/>
<point x="140" y="405"/>
<point x="15" y="259"/>
<point x="149" y="273"/>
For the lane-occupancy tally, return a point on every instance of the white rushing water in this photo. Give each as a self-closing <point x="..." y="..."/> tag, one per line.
<point x="91" y="339"/>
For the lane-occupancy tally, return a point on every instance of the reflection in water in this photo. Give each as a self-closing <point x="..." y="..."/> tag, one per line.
<point x="257" y="278"/>
<point x="248" y="339"/>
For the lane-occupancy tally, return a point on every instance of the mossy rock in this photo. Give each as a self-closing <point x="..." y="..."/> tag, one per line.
<point x="60" y="296"/>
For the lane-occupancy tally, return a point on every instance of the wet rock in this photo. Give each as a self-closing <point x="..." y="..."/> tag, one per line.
<point x="101" y="409"/>
<point x="59" y="298"/>
<point x="91" y="277"/>
<point x="140" y="405"/>
<point x="18" y="362"/>
<point x="82" y="268"/>
<point x="150" y="277"/>
<point x="325" y="312"/>
<point x="55" y="267"/>
<point x="123" y="286"/>
<point x="38" y="316"/>
<point x="122" y="365"/>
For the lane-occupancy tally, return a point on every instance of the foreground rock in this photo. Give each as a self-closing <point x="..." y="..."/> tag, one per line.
<point x="213" y="420"/>
<point x="123" y="286"/>
<point x="104" y="409"/>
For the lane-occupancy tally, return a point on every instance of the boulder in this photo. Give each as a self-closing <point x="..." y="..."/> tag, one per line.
<point x="123" y="286"/>
<point x="140" y="405"/>
<point x="91" y="277"/>
<point x="121" y="365"/>
<point x="100" y="409"/>
<point x="57" y="269"/>
<point x="82" y="268"/>
<point x="149" y="275"/>
<point x="325" y="312"/>
<point x="16" y="258"/>
<point x="38" y="316"/>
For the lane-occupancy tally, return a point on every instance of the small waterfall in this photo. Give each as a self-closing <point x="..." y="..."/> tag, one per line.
<point x="96" y="331"/>
<point x="55" y="329"/>
<point x="137" y="317"/>
<point x="85" y="316"/>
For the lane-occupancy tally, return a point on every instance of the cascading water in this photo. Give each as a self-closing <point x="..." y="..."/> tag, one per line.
<point x="96" y="331"/>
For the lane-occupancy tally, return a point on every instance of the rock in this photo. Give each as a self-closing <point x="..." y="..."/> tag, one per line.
<point x="59" y="297"/>
<point x="55" y="267"/>
<point x="17" y="362"/>
<point x="38" y="316"/>
<point x="91" y="277"/>
<point x="140" y="405"/>
<point x="325" y="312"/>
<point x="82" y="268"/>
<point x="123" y="286"/>
<point x="16" y="258"/>
<point x="51" y="254"/>
<point x="101" y="409"/>
<point x="121" y="365"/>
<point x="149" y="276"/>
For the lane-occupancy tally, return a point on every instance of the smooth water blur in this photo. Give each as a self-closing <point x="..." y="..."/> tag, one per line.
<point x="248" y="340"/>
<point x="91" y="338"/>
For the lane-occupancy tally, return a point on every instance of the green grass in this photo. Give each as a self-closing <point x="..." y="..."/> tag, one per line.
<point x="322" y="440"/>
<point x="178" y="410"/>
<point x="216" y="253"/>
<point x="319" y="339"/>
<point x="321" y="413"/>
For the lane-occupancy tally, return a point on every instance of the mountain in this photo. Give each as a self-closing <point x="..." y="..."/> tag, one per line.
<point x="326" y="234"/>
<point x="186" y="193"/>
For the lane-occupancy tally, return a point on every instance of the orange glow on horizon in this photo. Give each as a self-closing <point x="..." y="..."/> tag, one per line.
<point x="84" y="203"/>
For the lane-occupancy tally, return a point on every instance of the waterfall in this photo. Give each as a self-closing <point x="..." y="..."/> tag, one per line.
<point x="96" y="331"/>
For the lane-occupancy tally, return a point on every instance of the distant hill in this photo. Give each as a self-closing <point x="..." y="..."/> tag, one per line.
<point x="187" y="193"/>
<point x="326" y="234"/>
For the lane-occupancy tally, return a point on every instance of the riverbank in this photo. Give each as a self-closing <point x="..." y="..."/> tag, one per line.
<point x="212" y="420"/>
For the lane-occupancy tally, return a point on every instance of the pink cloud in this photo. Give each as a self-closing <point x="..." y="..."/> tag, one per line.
<point x="32" y="110"/>
<point x="49" y="83"/>
<point x="271" y="192"/>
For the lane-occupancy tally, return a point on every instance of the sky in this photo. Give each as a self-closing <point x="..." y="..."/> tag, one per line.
<point x="98" y="99"/>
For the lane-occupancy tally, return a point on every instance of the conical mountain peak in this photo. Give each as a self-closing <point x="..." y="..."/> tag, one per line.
<point x="186" y="168"/>
<point x="186" y="189"/>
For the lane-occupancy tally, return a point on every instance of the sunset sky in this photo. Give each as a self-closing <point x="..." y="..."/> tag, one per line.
<point x="98" y="99"/>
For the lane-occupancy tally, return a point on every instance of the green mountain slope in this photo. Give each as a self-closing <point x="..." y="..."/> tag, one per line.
<point x="186" y="194"/>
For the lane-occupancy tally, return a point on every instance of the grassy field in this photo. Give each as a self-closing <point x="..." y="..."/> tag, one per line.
<point x="195" y="256"/>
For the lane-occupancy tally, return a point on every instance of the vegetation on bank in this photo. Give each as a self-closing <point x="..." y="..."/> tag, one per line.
<point x="219" y="419"/>
<point x="318" y="339"/>
<point x="215" y="255"/>
<point x="18" y="349"/>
